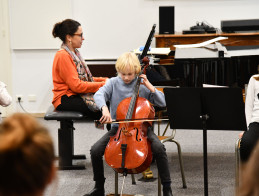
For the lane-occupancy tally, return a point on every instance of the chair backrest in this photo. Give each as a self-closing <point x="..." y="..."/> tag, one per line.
<point x="160" y="112"/>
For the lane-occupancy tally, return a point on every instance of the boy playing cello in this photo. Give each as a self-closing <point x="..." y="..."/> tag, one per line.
<point x="115" y="90"/>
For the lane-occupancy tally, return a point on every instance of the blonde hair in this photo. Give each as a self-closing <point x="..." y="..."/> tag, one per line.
<point x="128" y="60"/>
<point x="26" y="156"/>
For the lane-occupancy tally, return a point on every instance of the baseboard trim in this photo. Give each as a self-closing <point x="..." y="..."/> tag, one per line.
<point x="38" y="115"/>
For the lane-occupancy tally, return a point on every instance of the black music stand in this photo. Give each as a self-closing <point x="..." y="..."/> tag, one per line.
<point x="206" y="109"/>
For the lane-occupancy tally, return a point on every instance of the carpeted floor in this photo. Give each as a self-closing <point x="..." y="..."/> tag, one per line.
<point x="221" y="164"/>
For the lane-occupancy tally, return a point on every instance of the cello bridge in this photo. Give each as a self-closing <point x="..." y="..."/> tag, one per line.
<point x="127" y="133"/>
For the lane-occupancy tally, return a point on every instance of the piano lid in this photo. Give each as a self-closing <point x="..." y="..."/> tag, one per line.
<point x="243" y="50"/>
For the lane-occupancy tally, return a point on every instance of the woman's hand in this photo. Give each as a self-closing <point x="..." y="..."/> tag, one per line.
<point x="106" y="79"/>
<point x="146" y="82"/>
<point x="106" y="117"/>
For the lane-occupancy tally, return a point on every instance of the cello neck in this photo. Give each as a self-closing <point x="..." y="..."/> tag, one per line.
<point x="133" y="99"/>
<point x="136" y="89"/>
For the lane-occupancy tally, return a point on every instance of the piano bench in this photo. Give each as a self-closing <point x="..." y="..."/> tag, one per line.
<point x="66" y="137"/>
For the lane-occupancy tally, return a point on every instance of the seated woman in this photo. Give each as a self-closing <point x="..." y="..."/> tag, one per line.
<point x="26" y="157"/>
<point x="5" y="98"/>
<point x="73" y="82"/>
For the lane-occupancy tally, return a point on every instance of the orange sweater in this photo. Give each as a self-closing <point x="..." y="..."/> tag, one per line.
<point x="66" y="81"/>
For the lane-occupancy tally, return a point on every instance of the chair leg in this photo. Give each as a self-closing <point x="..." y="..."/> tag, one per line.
<point x="116" y="183"/>
<point x="66" y="147"/>
<point x="167" y="126"/>
<point x="159" y="185"/>
<point x="180" y="162"/>
<point x="133" y="179"/>
<point x="237" y="156"/>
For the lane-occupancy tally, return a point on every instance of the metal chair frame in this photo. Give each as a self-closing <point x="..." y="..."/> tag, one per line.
<point x="237" y="158"/>
<point x="170" y="138"/>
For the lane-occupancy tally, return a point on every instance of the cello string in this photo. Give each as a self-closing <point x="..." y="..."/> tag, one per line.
<point x="122" y="184"/>
<point x="133" y="102"/>
<point x="129" y="121"/>
<point x="140" y="119"/>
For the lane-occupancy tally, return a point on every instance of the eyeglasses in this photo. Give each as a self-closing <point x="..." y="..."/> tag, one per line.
<point x="81" y="34"/>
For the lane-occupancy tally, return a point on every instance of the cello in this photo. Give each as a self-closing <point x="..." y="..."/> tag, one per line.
<point x="129" y="151"/>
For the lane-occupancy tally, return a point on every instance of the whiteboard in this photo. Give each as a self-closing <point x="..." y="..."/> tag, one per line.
<point x="32" y="21"/>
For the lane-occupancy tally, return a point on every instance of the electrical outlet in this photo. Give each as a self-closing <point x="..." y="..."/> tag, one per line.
<point x="19" y="97"/>
<point x="32" y="98"/>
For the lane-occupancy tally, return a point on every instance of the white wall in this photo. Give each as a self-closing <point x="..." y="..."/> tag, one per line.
<point x="5" y="56"/>
<point x="32" y="75"/>
<point x="111" y="28"/>
<point x="30" y="28"/>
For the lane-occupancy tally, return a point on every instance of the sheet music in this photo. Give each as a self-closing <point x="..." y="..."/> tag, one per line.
<point x="157" y="51"/>
<point x="200" y="44"/>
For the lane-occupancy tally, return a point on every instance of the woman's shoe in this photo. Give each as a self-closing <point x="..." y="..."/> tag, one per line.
<point x="98" y="189"/>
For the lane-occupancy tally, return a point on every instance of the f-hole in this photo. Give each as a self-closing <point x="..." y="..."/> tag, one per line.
<point x="117" y="139"/>
<point x="137" y="135"/>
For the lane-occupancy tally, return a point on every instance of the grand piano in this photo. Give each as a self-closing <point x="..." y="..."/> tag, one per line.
<point x="233" y="71"/>
<point x="166" y="70"/>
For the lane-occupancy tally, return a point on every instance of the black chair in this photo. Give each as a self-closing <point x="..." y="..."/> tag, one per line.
<point x="66" y="137"/>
